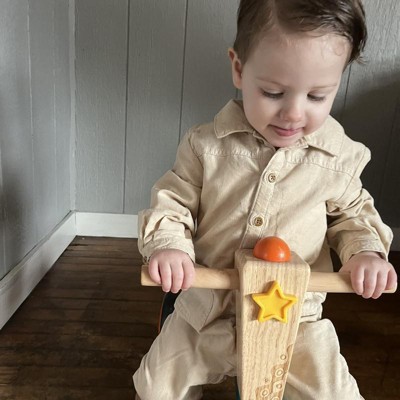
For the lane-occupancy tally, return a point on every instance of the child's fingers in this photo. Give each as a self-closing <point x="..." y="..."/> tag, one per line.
<point x="370" y="280"/>
<point x="357" y="280"/>
<point x="381" y="282"/>
<point x="189" y="273"/>
<point x="154" y="271"/>
<point x="167" y="268"/>
<point x="166" y="276"/>
<point x="177" y="277"/>
<point x="392" y="279"/>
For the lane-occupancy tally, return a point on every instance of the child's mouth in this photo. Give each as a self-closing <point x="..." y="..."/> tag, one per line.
<point x="285" y="132"/>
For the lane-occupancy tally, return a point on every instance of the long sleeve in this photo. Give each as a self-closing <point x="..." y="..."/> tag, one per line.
<point x="354" y="224"/>
<point x="170" y="220"/>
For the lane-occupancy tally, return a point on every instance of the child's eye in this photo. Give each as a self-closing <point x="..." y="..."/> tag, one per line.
<point x="271" y="95"/>
<point x="316" y="98"/>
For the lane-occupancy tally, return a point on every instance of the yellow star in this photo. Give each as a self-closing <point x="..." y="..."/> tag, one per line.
<point x="274" y="304"/>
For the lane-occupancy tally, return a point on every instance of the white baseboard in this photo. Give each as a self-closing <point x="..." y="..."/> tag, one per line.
<point x="16" y="286"/>
<point x="107" y="225"/>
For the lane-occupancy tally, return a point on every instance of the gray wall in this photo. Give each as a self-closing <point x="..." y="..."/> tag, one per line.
<point x="147" y="70"/>
<point x="35" y="124"/>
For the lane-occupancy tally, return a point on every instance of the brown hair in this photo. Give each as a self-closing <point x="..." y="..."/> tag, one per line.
<point x="342" y="17"/>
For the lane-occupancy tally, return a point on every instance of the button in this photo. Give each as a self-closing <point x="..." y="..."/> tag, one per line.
<point x="272" y="177"/>
<point x="258" y="221"/>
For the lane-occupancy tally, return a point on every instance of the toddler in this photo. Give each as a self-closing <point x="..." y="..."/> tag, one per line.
<point x="275" y="163"/>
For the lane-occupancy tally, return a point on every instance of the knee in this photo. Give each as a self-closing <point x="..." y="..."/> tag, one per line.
<point x="145" y="394"/>
<point x="148" y="389"/>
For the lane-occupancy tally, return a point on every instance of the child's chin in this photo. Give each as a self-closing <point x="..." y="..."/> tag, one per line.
<point x="283" y="142"/>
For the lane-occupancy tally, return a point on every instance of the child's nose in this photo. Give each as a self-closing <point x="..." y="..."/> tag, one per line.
<point x="292" y="112"/>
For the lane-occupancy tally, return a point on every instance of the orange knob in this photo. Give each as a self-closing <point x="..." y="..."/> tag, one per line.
<point x="272" y="248"/>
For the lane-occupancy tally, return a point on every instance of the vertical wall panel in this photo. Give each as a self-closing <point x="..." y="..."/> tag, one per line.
<point x="34" y="124"/>
<point x="101" y="46"/>
<point x="211" y="27"/>
<point x="373" y="90"/>
<point x="15" y="127"/>
<point x="2" y="222"/>
<point x="62" y="107"/>
<point x="156" y="46"/>
<point x="390" y="198"/>
<point x="386" y="106"/>
<point x="43" y="114"/>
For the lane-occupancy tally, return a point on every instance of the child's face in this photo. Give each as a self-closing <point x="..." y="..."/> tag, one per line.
<point x="289" y="83"/>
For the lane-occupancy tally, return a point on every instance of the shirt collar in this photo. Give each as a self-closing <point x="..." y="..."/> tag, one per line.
<point x="329" y="137"/>
<point x="231" y="119"/>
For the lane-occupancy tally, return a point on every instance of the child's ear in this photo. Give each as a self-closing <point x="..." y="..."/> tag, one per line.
<point x="236" y="68"/>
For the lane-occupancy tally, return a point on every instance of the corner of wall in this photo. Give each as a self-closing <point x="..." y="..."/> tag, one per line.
<point x="72" y="57"/>
<point x="16" y="286"/>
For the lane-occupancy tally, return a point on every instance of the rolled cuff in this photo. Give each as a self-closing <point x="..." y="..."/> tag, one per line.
<point x="167" y="244"/>
<point x="359" y="246"/>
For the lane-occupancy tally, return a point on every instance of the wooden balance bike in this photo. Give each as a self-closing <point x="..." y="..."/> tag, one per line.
<point x="270" y="290"/>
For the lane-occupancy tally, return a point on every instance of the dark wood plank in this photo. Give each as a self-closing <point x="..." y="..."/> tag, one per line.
<point x="64" y="393"/>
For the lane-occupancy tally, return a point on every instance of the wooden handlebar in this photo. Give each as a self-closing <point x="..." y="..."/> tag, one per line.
<point x="213" y="278"/>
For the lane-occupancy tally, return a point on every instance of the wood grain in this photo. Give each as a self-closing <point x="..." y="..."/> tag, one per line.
<point x="265" y="348"/>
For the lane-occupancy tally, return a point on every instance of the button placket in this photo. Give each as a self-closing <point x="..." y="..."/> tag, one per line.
<point x="259" y="217"/>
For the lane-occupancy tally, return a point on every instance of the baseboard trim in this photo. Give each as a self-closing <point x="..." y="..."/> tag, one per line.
<point x="107" y="225"/>
<point x="16" y="286"/>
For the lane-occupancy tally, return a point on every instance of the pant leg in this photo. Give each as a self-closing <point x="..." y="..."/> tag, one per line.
<point x="181" y="360"/>
<point x="318" y="371"/>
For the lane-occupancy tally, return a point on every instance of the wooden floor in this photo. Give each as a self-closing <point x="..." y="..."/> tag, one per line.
<point x="83" y="330"/>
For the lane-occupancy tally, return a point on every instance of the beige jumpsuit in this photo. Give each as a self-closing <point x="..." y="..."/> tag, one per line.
<point x="229" y="188"/>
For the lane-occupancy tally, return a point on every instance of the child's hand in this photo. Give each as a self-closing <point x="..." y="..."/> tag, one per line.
<point x="370" y="274"/>
<point x="173" y="269"/>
